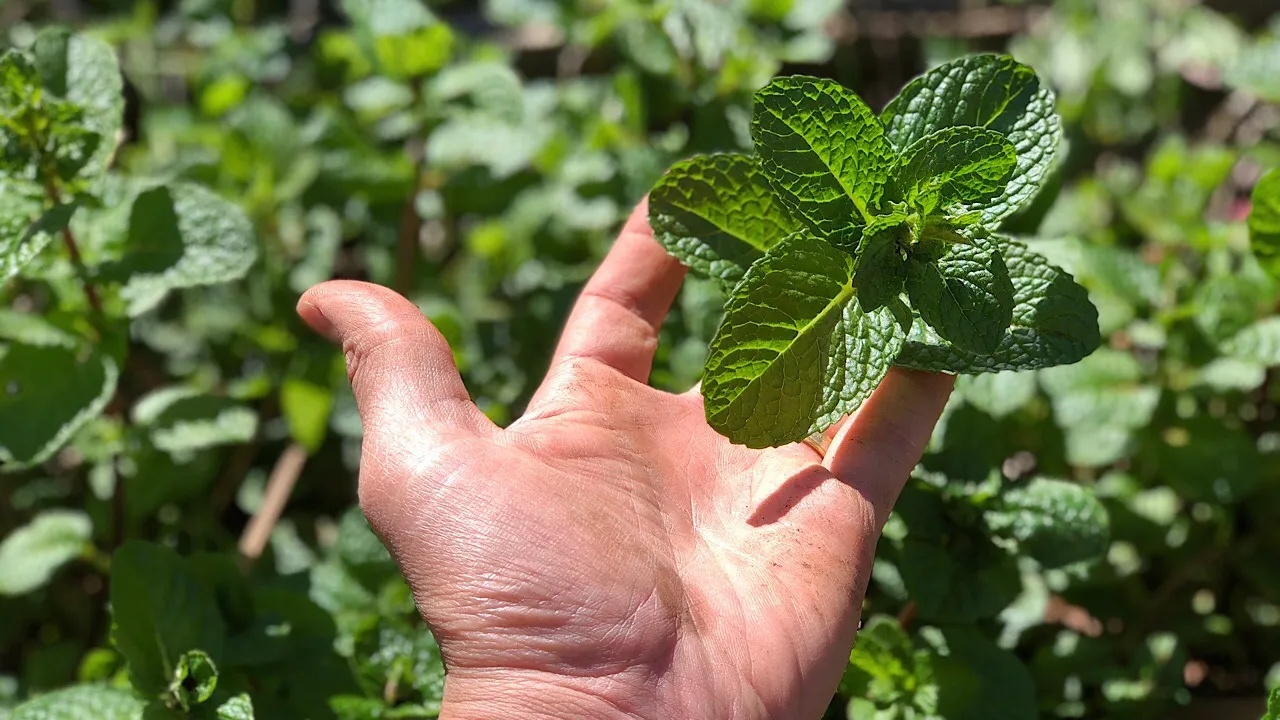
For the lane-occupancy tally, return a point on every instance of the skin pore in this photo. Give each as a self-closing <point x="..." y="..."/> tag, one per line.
<point x="609" y="555"/>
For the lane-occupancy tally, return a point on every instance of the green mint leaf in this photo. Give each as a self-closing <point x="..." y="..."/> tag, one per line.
<point x="987" y="91"/>
<point x="181" y="420"/>
<point x="51" y="384"/>
<point x="306" y="407"/>
<point x="85" y="72"/>
<point x="863" y="346"/>
<point x="78" y="702"/>
<point x="194" y="679"/>
<point x="952" y="588"/>
<point x="886" y="671"/>
<point x="717" y="214"/>
<point x="239" y="707"/>
<point x="766" y="365"/>
<point x="1053" y="324"/>
<point x="823" y="150"/>
<point x="30" y="555"/>
<point x="998" y="394"/>
<point x="160" y="611"/>
<point x="881" y="269"/>
<point x="180" y="236"/>
<point x="402" y="36"/>
<point x="1053" y="521"/>
<point x="966" y="296"/>
<point x="1273" y="705"/>
<point x="19" y="80"/>
<point x="977" y="680"/>
<point x="1264" y="222"/>
<point x="26" y="229"/>
<point x="955" y="166"/>
<point x="1256" y="343"/>
<point x="1100" y="403"/>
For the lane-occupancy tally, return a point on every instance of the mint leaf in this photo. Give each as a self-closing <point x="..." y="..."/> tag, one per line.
<point x="1264" y="222"/>
<point x="180" y="236"/>
<point x="26" y="228"/>
<point x="1273" y="705"/>
<point x="30" y="555"/>
<point x="863" y="345"/>
<point x="977" y="680"/>
<point x="160" y="610"/>
<point x="1257" y="343"/>
<point x="986" y="91"/>
<point x="966" y="296"/>
<point x="19" y="80"/>
<point x="1053" y="521"/>
<point x="239" y="707"/>
<point x="402" y="37"/>
<point x="1100" y="403"/>
<point x="881" y="268"/>
<point x="998" y="394"/>
<point x="887" y="671"/>
<point x="184" y="420"/>
<point x="1053" y="324"/>
<point x="717" y="214"/>
<point x="51" y="384"/>
<point x="955" y="166"/>
<point x="85" y="72"/>
<point x="823" y="150"/>
<point x="78" y="702"/>
<point x="766" y="365"/>
<point x="306" y="407"/>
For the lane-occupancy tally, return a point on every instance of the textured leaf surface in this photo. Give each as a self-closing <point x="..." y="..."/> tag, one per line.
<point x="961" y="166"/>
<point x="85" y="71"/>
<point x="160" y="611"/>
<point x="81" y="702"/>
<point x="862" y="349"/>
<point x="966" y="296"/>
<point x="717" y="214"/>
<point x="180" y="236"/>
<point x="988" y="91"/>
<point x="767" y="363"/>
<point x="881" y="268"/>
<point x="51" y="384"/>
<point x="1258" y="343"/>
<point x="887" y="673"/>
<point x="30" y="555"/>
<point x="1264" y="222"/>
<point x="26" y="229"/>
<point x="1055" y="522"/>
<point x="1053" y="324"/>
<point x="823" y="150"/>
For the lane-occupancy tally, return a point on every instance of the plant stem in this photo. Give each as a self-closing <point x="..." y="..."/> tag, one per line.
<point x="279" y="487"/>
<point x="89" y="291"/>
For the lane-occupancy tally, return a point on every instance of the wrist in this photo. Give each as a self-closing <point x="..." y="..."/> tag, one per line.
<point x="534" y="695"/>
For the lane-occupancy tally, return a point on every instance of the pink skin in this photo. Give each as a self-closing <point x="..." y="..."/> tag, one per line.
<point x="609" y="554"/>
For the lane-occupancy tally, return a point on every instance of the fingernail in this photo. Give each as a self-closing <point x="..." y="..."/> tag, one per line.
<point x="314" y="318"/>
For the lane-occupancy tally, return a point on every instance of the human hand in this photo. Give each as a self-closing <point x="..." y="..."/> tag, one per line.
<point x="609" y="554"/>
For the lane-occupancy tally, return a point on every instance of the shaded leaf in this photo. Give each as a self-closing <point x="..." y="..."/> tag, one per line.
<point x="881" y="269"/>
<point x="862" y="347"/>
<point x="1053" y="521"/>
<point x="967" y="296"/>
<point x="1053" y="324"/>
<point x="160" y="611"/>
<point x="79" y="702"/>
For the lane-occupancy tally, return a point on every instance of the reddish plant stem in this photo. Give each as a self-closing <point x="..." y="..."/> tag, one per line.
<point x="89" y="291"/>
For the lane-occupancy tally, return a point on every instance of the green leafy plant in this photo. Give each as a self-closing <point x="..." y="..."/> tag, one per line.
<point x="851" y="242"/>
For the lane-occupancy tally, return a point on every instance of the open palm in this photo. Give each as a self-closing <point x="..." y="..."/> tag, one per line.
<point x="609" y="554"/>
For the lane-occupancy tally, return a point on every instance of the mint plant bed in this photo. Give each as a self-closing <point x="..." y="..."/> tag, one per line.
<point x="852" y="242"/>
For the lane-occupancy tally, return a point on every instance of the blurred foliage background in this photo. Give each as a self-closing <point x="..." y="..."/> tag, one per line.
<point x="479" y="157"/>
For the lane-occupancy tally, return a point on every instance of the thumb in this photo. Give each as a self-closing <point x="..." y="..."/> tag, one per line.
<point x="400" y="366"/>
<point x="876" y="449"/>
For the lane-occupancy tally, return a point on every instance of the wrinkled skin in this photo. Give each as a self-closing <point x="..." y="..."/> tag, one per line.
<point x="609" y="554"/>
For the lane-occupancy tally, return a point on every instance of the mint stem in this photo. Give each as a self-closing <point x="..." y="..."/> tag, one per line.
<point x="69" y="240"/>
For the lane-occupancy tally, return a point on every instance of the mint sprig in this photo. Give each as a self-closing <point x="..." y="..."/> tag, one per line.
<point x="851" y="242"/>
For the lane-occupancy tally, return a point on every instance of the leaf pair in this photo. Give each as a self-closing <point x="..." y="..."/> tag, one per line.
<point x="817" y="238"/>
